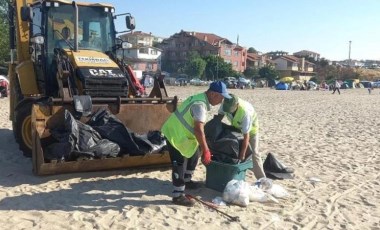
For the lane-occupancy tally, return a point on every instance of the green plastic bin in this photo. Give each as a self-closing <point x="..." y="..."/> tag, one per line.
<point x="218" y="174"/>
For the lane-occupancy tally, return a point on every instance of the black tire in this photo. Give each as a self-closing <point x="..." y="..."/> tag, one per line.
<point x="17" y="97"/>
<point x="23" y="128"/>
<point x="20" y="121"/>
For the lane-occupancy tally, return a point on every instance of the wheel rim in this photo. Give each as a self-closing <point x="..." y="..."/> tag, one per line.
<point x="27" y="131"/>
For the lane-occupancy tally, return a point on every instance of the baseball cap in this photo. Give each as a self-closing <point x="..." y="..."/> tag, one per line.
<point x="229" y="104"/>
<point x="219" y="87"/>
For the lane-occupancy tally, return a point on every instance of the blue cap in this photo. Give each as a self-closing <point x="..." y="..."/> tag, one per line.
<point x="220" y="87"/>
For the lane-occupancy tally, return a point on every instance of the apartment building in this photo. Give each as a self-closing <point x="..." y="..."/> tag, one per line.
<point x="307" y="53"/>
<point x="179" y="46"/>
<point x="298" y="68"/>
<point x="258" y="61"/>
<point x="142" y="56"/>
<point x="138" y="38"/>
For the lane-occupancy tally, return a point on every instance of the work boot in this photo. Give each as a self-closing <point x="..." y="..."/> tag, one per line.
<point x="183" y="200"/>
<point x="193" y="185"/>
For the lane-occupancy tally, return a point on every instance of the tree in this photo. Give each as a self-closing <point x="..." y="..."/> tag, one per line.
<point x="252" y="50"/>
<point x="4" y="28"/>
<point x="251" y="72"/>
<point x="268" y="73"/>
<point x="195" y="66"/>
<point x="217" y="68"/>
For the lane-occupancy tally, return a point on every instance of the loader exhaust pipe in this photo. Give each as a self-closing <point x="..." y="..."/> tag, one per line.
<point x="75" y="26"/>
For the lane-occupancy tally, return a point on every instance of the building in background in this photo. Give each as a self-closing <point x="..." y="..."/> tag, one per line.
<point x="309" y="54"/>
<point x="291" y="66"/>
<point x="258" y="61"/>
<point x="177" y="48"/>
<point x="143" y="57"/>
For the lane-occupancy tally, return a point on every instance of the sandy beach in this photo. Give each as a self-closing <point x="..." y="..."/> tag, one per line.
<point x="331" y="137"/>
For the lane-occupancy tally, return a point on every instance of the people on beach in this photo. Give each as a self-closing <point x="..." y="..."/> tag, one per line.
<point x="336" y="87"/>
<point x="184" y="132"/>
<point x="370" y="88"/>
<point x="243" y="116"/>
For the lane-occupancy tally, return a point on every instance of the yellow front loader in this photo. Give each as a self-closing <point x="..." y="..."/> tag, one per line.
<point x="64" y="59"/>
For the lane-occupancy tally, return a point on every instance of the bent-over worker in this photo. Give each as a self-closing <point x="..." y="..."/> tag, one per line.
<point x="184" y="132"/>
<point x="243" y="116"/>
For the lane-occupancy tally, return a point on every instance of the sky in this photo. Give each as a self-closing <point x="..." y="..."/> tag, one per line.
<point x="322" y="26"/>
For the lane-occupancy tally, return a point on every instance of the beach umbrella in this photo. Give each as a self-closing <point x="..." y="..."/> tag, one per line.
<point x="287" y="79"/>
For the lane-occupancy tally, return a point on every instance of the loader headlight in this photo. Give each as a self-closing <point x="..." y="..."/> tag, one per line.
<point x="49" y="4"/>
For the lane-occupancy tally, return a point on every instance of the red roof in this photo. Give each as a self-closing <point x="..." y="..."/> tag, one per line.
<point x="292" y="58"/>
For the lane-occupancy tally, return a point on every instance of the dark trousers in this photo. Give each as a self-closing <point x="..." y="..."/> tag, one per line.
<point x="336" y="89"/>
<point x="182" y="169"/>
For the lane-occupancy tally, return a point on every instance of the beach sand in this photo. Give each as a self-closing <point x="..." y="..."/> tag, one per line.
<point x="332" y="137"/>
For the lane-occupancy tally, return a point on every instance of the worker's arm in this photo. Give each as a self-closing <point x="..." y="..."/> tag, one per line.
<point x="199" y="114"/>
<point x="200" y="135"/>
<point x="246" y="124"/>
<point x="201" y="138"/>
<point x="244" y="147"/>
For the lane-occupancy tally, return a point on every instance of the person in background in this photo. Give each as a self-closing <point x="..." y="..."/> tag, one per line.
<point x="184" y="132"/>
<point x="370" y="88"/>
<point x="243" y="116"/>
<point x="65" y="41"/>
<point x="336" y="87"/>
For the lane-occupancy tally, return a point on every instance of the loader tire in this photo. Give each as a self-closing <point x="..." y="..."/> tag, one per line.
<point x="17" y="97"/>
<point x="23" y="129"/>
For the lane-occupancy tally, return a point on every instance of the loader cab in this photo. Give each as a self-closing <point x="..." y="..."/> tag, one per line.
<point x="95" y="31"/>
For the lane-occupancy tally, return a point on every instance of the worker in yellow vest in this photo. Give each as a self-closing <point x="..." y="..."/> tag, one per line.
<point x="243" y="116"/>
<point x="184" y="132"/>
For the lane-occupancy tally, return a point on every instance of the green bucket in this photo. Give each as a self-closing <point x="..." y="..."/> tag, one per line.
<point x="218" y="174"/>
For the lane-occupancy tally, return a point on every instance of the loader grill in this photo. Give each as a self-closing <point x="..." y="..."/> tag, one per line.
<point x="103" y="83"/>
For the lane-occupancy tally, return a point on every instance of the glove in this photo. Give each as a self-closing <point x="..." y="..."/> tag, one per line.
<point x="206" y="159"/>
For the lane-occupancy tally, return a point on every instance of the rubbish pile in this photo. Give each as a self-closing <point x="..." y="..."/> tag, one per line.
<point x="103" y="136"/>
<point x="263" y="190"/>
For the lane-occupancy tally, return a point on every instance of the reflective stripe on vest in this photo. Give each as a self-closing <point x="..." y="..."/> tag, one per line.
<point x="179" y="128"/>
<point x="181" y="117"/>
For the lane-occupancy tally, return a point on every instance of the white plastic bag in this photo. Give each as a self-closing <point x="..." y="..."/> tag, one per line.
<point x="218" y="201"/>
<point x="237" y="192"/>
<point x="278" y="191"/>
<point x="258" y="195"/>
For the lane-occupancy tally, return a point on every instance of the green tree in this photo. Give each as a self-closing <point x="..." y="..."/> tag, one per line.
<point x="252" y="50"/>
<point x="195" y="67"/>
<point x="251" y="72"/>
<point x="4" y="28"/>
<point x="217" y="68"/>
<point x="268" y="72"/>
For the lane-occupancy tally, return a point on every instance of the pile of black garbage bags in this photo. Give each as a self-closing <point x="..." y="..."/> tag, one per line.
<point x="224" y="141"/>
<point x="103" y="136"/>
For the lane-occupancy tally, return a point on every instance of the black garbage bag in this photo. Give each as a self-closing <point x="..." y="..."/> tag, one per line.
<point x="103" y="149"/>
<point x="111" y="128"/>
<point x="57" y="151"/>
<point x="73" y="139"/>
<point x="156" y="140"/>
<point x="224" y="141"/>
<point x="214" y="128"/>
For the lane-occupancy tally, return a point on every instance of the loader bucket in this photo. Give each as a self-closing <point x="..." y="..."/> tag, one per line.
<point x="139" y="115"/>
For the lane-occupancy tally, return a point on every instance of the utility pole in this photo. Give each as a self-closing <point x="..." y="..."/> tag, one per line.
<point x="217" y="66"/>
<point x="349" y="54"/>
